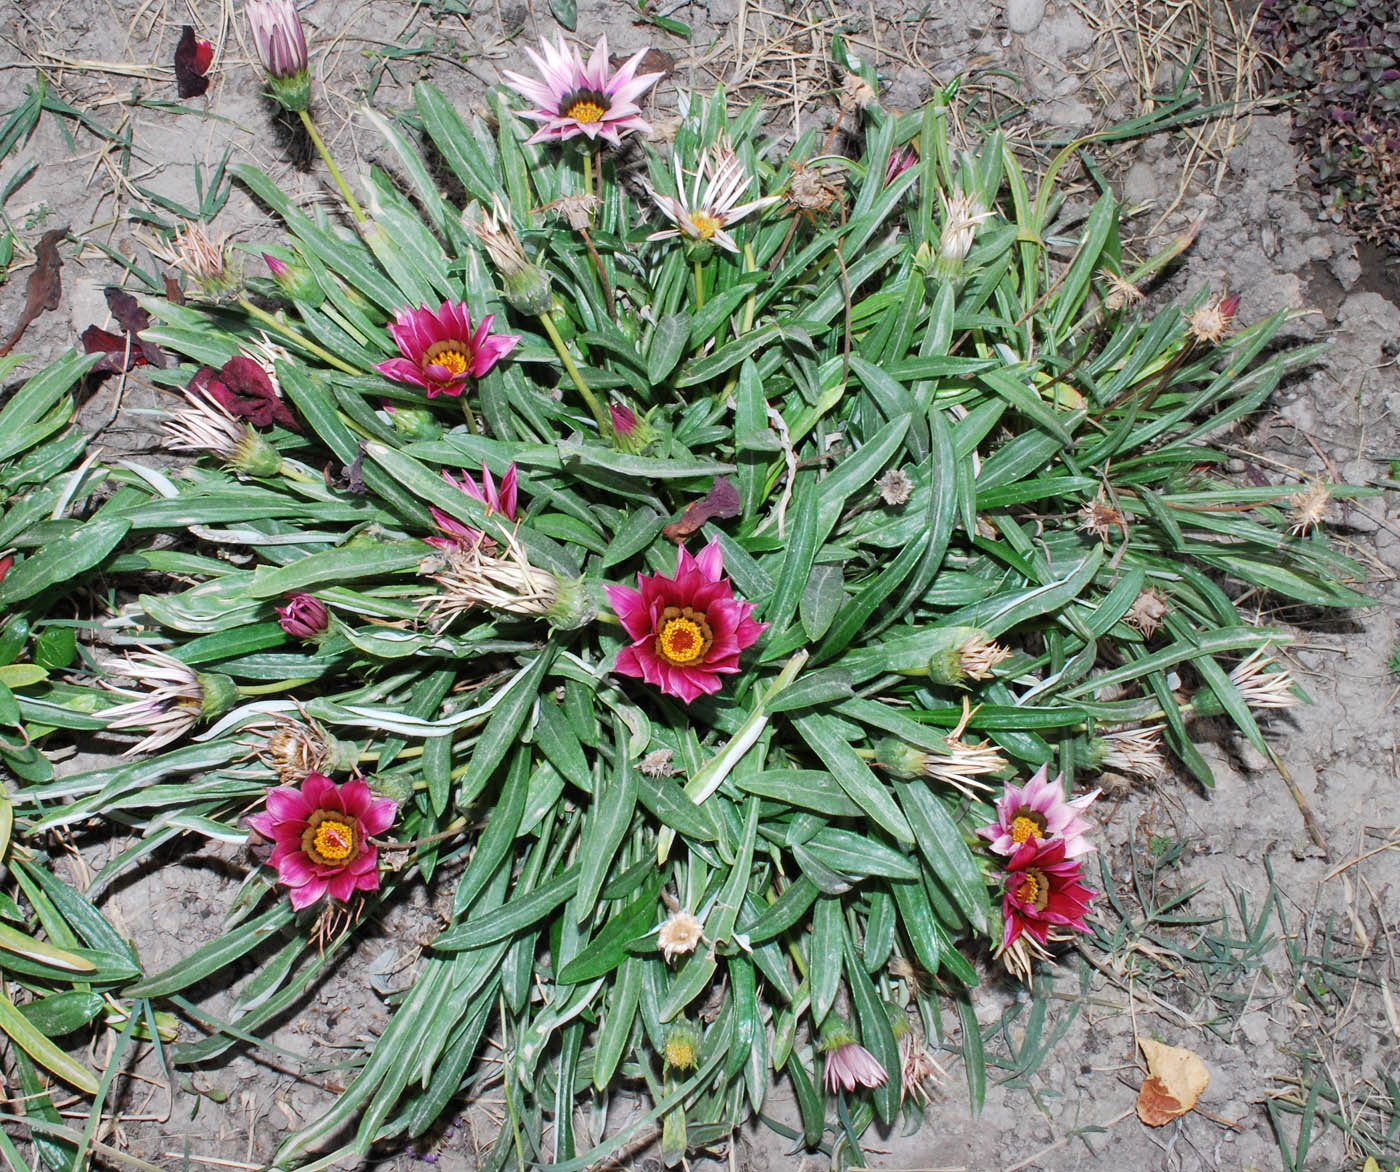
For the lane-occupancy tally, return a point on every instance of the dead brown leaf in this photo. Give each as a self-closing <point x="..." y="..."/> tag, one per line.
<point x="721" y="501"/>
<point x="44" y="288"/>
<point x="1177" y="1078"/>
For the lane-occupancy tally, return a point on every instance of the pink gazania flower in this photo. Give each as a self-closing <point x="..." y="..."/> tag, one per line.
<point x="1043" y="892"/>
<point x="441" y="350"/>
<point x="702" y="214"/>
<point x="571" y="98"/>
<point x="322" y="837"/>
<point x="901" y="159"/>
<point x="850" y="1065"/>
<point x="686" y="631"/>
<point x="304" y="616"/>
<point x="459" y="536"/>
<point x="1040" y="813"/>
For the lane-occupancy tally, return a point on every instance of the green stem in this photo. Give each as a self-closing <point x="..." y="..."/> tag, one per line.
<point x="750" y="307"/>
<point x="292" y="335"/>
<point x="320" y="144"/>
<point x="699" y="286"/>
<point x="269" y="689"/>
<point x="468" y="416"/>
<point x="587" y="172"/>
<point x="599" y="415"/>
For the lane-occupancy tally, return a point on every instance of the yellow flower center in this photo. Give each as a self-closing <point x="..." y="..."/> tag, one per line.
<point x="585" y="106"/>
<point x="704" y="225"/>
<point x="330" y="838"/>
<point x="684" y="637"/>
<point x="1034" y="890"/>
<point x="455" y="356"/>
<point x="1026" y="825"/>
<point x="680" y="1053"/>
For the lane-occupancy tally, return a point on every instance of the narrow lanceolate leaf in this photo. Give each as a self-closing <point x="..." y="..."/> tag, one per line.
<point x="853" y="775"/>
<point x="943" y="845"/>
<point x="24" y="1035"/>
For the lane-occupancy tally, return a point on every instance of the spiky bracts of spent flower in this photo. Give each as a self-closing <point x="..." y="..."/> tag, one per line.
<point x="703" y="214"/>
<point x="293" y="750"/>
<point x="1147" y="612"/>
<point x="957" y="764"/>
<point x="457" y="535"/>
<point x="1039" y="813"/>
<point x="1136" y="752"/>
<point x="322" y="835"/>
<point x="1263" y="683"/>
<point x="1309" y="507"/>
<point x="440" y="351"/>
<point x="280" y="43"/>
<point x="571" y="98"/>
<point x="172" y="697"/>
<point x="1043" y="894"/>
<point x="1121" y="292"/>
<point x="918" y="1068"/>
<point x="679" y="933"/>
<point x="962" y="215"/>
<point x="205" y="425"/>
<point x="525" y="284"/>
<point x="204" y="258"/>
<point x="686" y="630"/>
<point x="1214" y="318"/>
<point x="1100" y="518"/>
<point x="475" y="577"/>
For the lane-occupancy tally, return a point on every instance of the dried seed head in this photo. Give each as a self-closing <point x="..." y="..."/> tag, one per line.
<point x="206" y="426"/>
<point x="1147" y="612"/>
<point x="475" y="577"/>
<point x="1100" y="518"/>
<point x="1136" y="752"/>
<point x="979" y="655"/>
<point x="813" y="189"/>
<point x="658" y="763"/>
<point x="204" y="258"/>
<point x="577" y="208"/>
<point x="1309" y="507"/>
<point x="857" y="95"/>
<point x="1263" y="683"/>
<point x="1212" y="320"/>
<point x="679" y="934"/>
<point x="525" y="284"/>
<point x="1121" y="292"/>
<point x="895" y="487"/>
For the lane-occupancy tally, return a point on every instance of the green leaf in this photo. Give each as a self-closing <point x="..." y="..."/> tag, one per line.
<point x="607" y="950"/>
<point x="514" y="916"/>
<point x="614" y="800"/>
<point x="668" y="344"/>
<point x="63" y="560"/>
<point x="941" y="842"/>
<point x="853" y="775"/>
<point x="24" y="1035"/>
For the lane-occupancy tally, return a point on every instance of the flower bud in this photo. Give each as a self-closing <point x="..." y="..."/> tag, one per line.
<point x="414" y="423"/>
<point x="280" y="43"/>
<point x="295" y="280"/>
<point x="304" y="617"/>
<point x="681" y="1047"/>
<point x="219" y="694"/>
<point x="630" y="432"/>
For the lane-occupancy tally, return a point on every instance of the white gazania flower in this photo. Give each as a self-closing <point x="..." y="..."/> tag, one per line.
<point x="711" y="206"/>
<point x="169" y="697"/>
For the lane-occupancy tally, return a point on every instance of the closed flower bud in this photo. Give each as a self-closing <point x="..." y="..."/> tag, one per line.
<point x="414" y="423"/>
<point x="295" y="280"/>
<point x="280" y="43"/>
<point x="304" y="616"/>
<point x="681" y="1048"/>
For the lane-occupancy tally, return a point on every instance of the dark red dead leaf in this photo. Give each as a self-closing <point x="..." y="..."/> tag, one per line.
<point x="192" y="60"/>
<point x="173" y="293"/>
<point x="243" y="389"/>
<point x="44" y="287"/>
<point x="721" y="501"/>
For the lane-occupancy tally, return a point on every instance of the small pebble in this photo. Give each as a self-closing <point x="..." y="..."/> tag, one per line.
<point x="1024" y="16"/>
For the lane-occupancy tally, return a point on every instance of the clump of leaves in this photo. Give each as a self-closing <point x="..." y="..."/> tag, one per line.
<point x="1342" y="61"/>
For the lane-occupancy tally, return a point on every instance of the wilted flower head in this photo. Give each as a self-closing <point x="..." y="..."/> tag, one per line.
<point x="1212" y="320"/>
<point x="1136" y="752"/>
<point x="1263" y="683"/>
<point x="848" y="1063"/>
<point x="702" y="214"/>
<point x="813" y="188"/>
<point x="857" y="95"/>
<point x="1147" y="612"/>
<point x="304" y="616"/>
<point x="658" y="763"/>
<point x="900" y="160"/>
<point x="526" y="285"/>
<point x="169" y="700"/>
<point x="686" y="630"/>
<point x="460" y="536"/>
<point x="206" y="426"/>
<point x="204" y="258"/>
<point x="1100" y="518"/>
<point x="322" y="837"/>
<point x="475" y="577"/>
<point x="293" y="750"/>
<point x="918" y="1068"/>
<point x="571" y="99"/>
<point x="1040" y="812"/>
<point x="280" y="43"/>
<point x="440" y="350"/>
<point x="679" y="934"/>
<point x="962" y="213"/>
<point x="1043" y="893"/>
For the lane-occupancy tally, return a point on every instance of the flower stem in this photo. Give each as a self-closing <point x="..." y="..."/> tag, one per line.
<point x="469" y="417"/>
<point x="587" y="172"/>
<point x="320" y="144"/>
<point x="699" y="286"/>
<point x="599" y="415"/>
<point x="292" y="335"/>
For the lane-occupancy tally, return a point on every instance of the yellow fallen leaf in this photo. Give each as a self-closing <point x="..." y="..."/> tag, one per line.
<point x="1177" y="1078"/>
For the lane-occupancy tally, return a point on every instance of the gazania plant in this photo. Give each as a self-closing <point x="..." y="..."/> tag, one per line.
<point x="714" y="635"/>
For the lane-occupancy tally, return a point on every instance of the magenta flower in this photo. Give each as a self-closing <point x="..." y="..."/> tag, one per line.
<point x="686" y="631"/>
<point x="278" y="37"/>
<point x="1040" y="813"/>
<point x="850" y="1065"/>
<point x="322" y="837"/>
<point x="462" y="536"/>
<point x="901" y="159"/>
<point x="624" y="419"/>
<point x="304" y="617"/>
<point x="1043" y="891"/>
<point x="441" y="350"/>
<point x="571" y="98"/>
